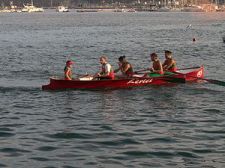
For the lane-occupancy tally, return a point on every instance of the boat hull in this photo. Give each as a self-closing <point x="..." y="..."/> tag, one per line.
<point x="187" y="75"/>
<point x="58" y="84"/>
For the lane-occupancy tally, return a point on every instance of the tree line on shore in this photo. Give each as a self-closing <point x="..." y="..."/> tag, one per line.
<point x="78" y="3"/>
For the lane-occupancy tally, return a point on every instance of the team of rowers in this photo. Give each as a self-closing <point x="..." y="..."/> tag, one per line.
<point x="107" y="72"/>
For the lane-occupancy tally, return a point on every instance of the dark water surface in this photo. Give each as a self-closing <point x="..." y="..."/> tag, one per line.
<point x="178" y="126"/>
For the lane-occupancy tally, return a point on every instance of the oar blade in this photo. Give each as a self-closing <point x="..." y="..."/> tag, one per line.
<point x="216" y="82"/>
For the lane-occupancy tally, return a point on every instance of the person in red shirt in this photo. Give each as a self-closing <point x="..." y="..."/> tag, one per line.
<point x="68" y="70"/>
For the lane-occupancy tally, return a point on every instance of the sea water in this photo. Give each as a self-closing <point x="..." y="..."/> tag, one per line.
<point x="169" y="126"/>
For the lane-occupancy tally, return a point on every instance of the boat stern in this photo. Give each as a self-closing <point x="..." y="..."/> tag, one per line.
<point x="51" y="85"/>
<point x="196" y="74"/>
<point x="46" y="87"/>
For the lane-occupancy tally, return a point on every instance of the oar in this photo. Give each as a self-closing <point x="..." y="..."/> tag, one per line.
<point x="142" y="70"/>
<point x="212" y="81"/>
<point x="83" y="75"/>
<point x="147" y="69"/>
<point x="195" y="67"/>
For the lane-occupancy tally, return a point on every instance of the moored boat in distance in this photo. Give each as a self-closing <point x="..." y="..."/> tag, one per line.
<point x="11" y="8"/>
<point x="188" y="74"/>
<point x="87" y="10"/>
<point x="124" y="10"/>
<point x="192" y="8"/>
<point x="31" y="8"/>
<point x="131" y="10"/>
<point x="221" y="9"/>
<point x="62" y="9"/>
<point x="119" y="10"/>
<point x="164" y="9"/>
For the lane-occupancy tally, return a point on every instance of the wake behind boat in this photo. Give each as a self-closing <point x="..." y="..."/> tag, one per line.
<point x="188" y="74"/>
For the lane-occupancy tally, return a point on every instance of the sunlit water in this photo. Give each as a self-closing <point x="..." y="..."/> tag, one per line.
<point x="178" y="126"/>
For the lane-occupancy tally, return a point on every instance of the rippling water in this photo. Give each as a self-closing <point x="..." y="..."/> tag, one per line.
<point x="178" y="126"/>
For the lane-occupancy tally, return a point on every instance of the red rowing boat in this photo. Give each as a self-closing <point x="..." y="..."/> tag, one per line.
<point x="189" y="74"/>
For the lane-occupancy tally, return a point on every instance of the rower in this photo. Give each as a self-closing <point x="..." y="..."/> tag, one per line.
<point x="125" y="67"/>
<point x="169" y="64"/>
<point x="156" y="65"/>
<point x="107" y="70"/>
<point x="156" y="69"/>
<point x="68" y="70"/>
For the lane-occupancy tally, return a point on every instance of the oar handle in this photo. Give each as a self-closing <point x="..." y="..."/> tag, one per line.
<point x="189" y="68"/>
<point x="83" y="75"/>
<point x="142" y="70"/>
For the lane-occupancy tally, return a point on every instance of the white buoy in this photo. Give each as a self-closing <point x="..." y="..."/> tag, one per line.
<point x="189" y="26"/>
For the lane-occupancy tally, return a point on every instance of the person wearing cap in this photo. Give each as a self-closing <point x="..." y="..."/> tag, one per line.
<point x="156" y="69"/>
<point x="107" y="71"/>
<point x="125" y="67"/>
<point x="169" y="64"/>
<point x="68" y="70"/>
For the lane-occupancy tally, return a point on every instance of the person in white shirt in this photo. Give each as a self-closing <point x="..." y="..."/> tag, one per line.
<point x="107" y="71"/>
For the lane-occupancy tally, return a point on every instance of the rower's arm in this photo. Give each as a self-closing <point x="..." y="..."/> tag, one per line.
<point x="126" y="68"/>
<point x="169" y="65"/>
<point x="68" y="75"/>
<point x="116" y="70"/>
<point x="160" y="69"/>
<point x="165" y="65"/>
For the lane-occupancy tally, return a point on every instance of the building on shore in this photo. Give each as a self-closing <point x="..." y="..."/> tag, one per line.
<point x="137" y="5"/>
